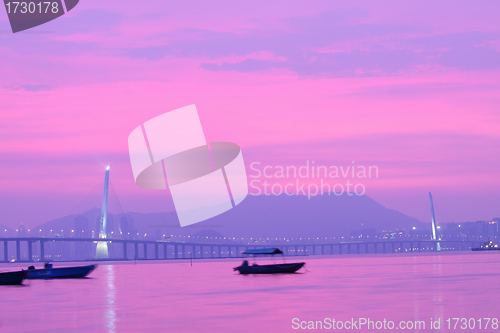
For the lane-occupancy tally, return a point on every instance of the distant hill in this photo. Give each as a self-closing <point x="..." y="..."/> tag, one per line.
<point x="269" y="216"/>
<point x="6" y="231"/>
<point x="63" y="226"/>
<point x="296" y="216"/>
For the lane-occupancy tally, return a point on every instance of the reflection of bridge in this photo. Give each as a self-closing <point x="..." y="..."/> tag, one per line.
<point x="35" y="249"/>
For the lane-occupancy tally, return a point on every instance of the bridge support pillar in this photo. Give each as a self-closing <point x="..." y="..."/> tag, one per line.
<point x="211" y="251"/>
<point x="165" y="252"/>
<point x="348" y="248"/>
<point x="6" y="251"/>
<point x="30" y="251"/>
<point x="340" y="249"/>
<point x="145" y="245"/>
<point x="42" y="250"/>
<point x="419" y="247"/>
<point x="125" y="250"/>
<point x="136" y="251"/>
<point x="296" y="251"/>
<point x="358" y="247"/>
<point x="18" y="250"/>
<point x="184" y="251"/>
<point x="176" y="250"/>
<point x="156" y="251"/>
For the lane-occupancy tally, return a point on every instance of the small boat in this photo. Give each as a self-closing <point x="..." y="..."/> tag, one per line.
<point x="245" y="268"/>
<point x="59" y="273"/>
<point x="12" y="278"/>
<point x="487" y="246"/>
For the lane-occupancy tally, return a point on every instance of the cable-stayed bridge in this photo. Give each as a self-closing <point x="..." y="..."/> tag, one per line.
<point x="102" y="244"/>
<point x="28" y="249"/>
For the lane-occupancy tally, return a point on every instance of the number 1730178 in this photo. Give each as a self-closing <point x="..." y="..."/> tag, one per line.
<point x="472" y="323"/>
<point x="32" y="7"/>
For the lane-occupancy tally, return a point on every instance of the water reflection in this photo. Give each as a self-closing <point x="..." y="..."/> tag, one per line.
<point x="210" y="297"/>
<point x="110" y="313"/>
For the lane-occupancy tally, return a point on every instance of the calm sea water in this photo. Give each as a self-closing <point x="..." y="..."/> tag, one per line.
<point x="208" y="296"/>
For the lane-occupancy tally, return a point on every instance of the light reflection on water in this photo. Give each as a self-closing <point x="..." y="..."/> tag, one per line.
<point x="209" y="296"/>
<point x="110" y="317"/>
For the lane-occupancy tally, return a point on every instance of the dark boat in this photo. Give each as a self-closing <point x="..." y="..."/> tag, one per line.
<point x="12" y="278"/>
<point x="487" y="246"/>
<point x="269" y="269"/>
<point x="59" y="273"/>
<point x="245" y="268"/>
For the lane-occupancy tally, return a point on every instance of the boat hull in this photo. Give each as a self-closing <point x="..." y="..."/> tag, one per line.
<point x="12" y="278"/>
<point x="61" y="272"/>
<point x="270" y="269"/>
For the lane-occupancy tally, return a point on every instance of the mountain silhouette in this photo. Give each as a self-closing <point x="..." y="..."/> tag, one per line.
<point x="267" y="216"/>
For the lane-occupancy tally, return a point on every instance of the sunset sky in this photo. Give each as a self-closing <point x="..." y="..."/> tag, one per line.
<point x="412" y="87"/>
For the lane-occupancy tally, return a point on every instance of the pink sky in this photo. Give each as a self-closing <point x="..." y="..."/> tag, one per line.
<point x="410" y="87"/>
